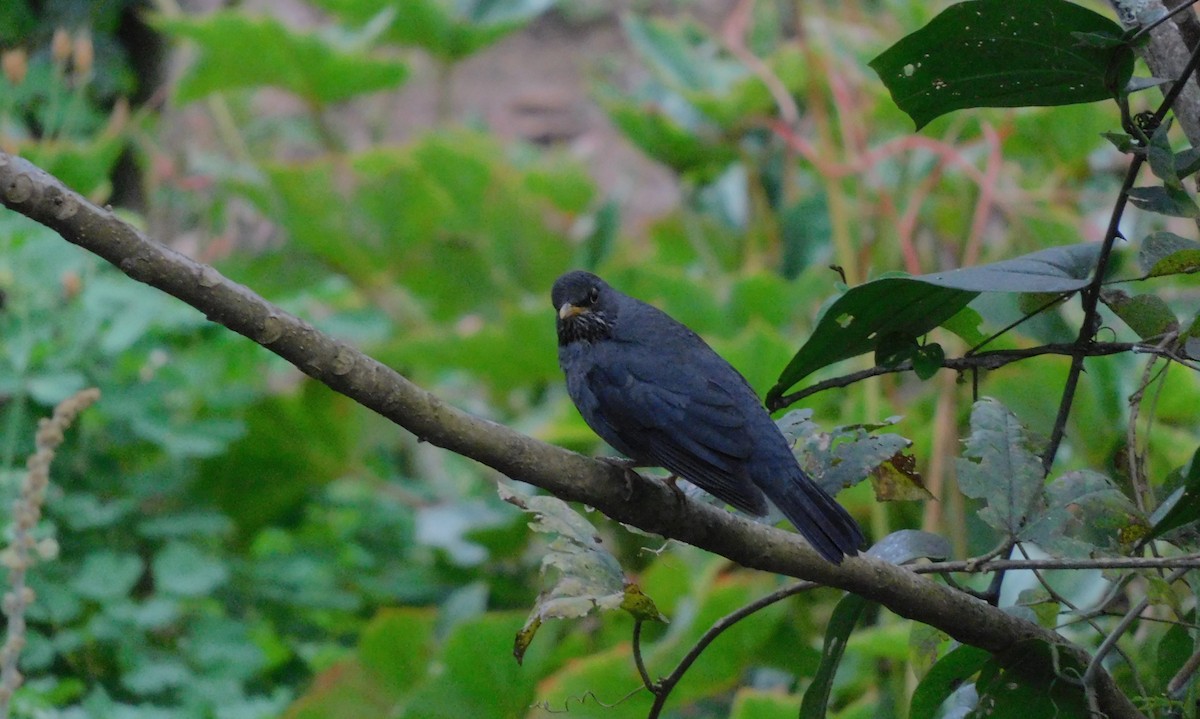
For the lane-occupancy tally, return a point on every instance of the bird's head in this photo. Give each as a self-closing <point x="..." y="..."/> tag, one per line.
<point x="586" y="306"/>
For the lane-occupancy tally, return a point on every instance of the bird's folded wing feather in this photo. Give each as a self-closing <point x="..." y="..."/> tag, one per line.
<point x="682" y="419"/>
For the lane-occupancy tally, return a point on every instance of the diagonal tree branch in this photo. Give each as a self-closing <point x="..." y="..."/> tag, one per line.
<point x="634" y="500"/>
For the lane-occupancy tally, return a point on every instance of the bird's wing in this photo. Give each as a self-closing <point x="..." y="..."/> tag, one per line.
<point x="689" y="421"/>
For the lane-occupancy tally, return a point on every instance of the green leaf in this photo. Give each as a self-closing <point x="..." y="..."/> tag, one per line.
<point x="666" y="139"/>
<point x="1161" y="158"/>
<point x="238" y="51"/>
<point x="107" y="575"/>
<point x="473" y="678"/>
<point x="283" y="470"/>
<point x="894" y="349"/>
<point x="586" y="576"/>
<point x="1187" y="162"/>
<point x="450" y="31"/>
<point x="1009" y="690"/>
<point x="944" y="678"/>
<point x="85" y="166"/>
<point x="1086" y="514"/>
<point x="396" y="646"/>
<point x="1164" y="200"/>
<point x="181" y="568"/>
<point x="751" y="703"/>
<point x="674" y="51"/>
<point x="928" y="360"/>
<point x="599" y="243"/>
<point x="1003" y="53"/>
<point x="854" y="324"/>
<point x="965" y="324"/>
<point x="154" y="674"/>
<point x="894" y="310"/>
<point x="845" y="616"/>
<point x="845" y="456"/>
<point x="1174" y="649"/>
<point x="1182" y="506"/>
<point x="1149" y="316"/>
<point x="1166" y="253"/>
<point x="999" y="467"/>
<point x="447" y="200"/>
<point x="1122" y="141"/>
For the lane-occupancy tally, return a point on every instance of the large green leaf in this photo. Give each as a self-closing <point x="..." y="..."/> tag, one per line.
<point x="894" y="310"/>
<point x="1004" y="53"/>
<point x="859" y="319"/>
<point x="1057" y="269"/>
<point x="237" y="51"/>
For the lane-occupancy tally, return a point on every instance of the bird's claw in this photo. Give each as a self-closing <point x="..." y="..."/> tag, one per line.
<point x="672" y="484"/>
<point x="626" y="465"/>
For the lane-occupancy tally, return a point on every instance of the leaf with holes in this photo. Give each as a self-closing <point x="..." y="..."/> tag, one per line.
<point x="1005" y="53"/>
<point x="586" y="577"/>
<point x="999" y="467"/>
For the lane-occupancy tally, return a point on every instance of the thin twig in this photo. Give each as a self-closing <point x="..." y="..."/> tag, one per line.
<point x="1135" y="459"/>
<point x="1094" y="666"/>
<point x="970" y="566"/>
<point x="1091" y="293"/>
<point x="994" y="359"/>
<point x="1091" y="621"/>
<point x="664" y="687"/>
<point x="637" y="656"/>
<point x="1179" y="683"/>
<point x="1173" y="12"/>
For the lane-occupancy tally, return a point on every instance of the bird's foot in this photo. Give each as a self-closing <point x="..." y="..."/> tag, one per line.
<point x="672" y="484"/>
<point x="626" y="465"/>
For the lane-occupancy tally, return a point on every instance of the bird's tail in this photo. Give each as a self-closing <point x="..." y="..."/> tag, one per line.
<point x="827" y="526"/>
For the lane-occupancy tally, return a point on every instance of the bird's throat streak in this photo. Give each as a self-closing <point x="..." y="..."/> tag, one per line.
<point x="583" y="327"/>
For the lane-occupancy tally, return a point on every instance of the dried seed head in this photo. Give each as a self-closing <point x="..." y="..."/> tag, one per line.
<point x="60" y="46"/>
<point x="15" y="64"/>
<point x="83" y="53"/>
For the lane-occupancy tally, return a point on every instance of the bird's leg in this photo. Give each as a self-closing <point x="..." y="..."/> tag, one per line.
<point x="671" y="482"/>
<point x="627" y="467"/>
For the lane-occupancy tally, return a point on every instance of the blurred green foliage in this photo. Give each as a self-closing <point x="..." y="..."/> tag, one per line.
<point x="238" y="541"/>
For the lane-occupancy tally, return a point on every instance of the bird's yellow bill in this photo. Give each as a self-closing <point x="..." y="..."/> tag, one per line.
<point x="569" y="310"/>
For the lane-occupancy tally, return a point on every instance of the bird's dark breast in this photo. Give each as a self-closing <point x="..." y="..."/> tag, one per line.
<point x="578" y="361"/>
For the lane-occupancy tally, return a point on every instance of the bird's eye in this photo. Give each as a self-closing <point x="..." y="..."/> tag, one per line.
<point x="593" y="295"/>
